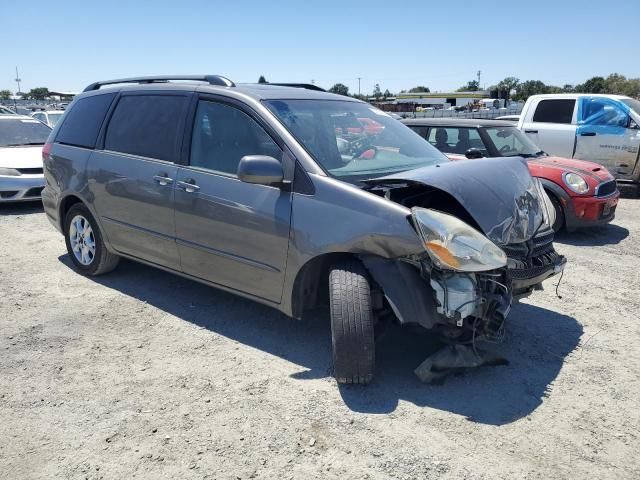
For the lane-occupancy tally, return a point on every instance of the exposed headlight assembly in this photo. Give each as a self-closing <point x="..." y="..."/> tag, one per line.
<point x="575" y="182"/>
<point x="9" y="172"/>
<point x="454" y="245"/>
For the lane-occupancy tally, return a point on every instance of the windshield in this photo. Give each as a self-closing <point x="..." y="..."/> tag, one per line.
<point x="633" y="104"/>
<point x="511" y="142"/>
<point x="354" y="141"/>
<point x="53" y="118"/>
<point x="22" y="131"/>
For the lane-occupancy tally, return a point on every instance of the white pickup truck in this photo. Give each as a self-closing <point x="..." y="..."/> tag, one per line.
<point x="601" y="128"/>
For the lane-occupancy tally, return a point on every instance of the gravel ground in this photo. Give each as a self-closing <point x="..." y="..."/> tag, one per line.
<point x="144" y="374"/>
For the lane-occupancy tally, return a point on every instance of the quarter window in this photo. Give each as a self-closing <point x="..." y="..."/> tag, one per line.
<point x="82" y="123"/>
<point x="555" y="111"/>
<point x="147" y="125"/>
<point x="223" y="134"/>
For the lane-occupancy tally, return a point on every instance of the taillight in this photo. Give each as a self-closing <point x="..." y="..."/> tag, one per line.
<point x="46" y="150"/>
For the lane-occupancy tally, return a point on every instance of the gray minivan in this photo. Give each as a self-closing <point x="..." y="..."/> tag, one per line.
<point x="297" y="198"/>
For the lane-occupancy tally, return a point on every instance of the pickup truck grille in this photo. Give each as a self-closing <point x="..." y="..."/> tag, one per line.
<point x="606" y="188"/>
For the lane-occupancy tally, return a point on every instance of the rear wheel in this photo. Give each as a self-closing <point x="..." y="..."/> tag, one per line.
<point x="559" y="223"/>
<point x="352" y="325"/>
<point x="84" y="242"/>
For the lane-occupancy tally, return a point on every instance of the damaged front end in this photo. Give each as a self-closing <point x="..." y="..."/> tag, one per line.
<point x="487" y="243"/>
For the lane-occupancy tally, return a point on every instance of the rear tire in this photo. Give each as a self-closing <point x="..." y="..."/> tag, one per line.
<point x="559" y="223"/>
<point x="352" y="329"/>
<point x="84" y="243"/>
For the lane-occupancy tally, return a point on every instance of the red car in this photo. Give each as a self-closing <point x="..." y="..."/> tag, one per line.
<point x="583" y="193"/>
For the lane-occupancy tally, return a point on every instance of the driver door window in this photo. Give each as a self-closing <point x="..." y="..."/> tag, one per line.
<point x="223" y="134"/>
<point x="603" y="112"/>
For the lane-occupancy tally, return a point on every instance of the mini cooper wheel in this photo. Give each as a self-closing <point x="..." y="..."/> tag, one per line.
<point x="352" y="326"/>
<point x="84" y="243"/>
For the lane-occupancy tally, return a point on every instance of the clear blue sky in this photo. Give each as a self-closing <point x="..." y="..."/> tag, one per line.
<point x="441" y="44"/>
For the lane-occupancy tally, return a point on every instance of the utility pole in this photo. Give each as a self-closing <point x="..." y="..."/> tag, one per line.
<point x="359" y="85"/>
<point x="18" y="80"/>
<point x="479" y="72"/>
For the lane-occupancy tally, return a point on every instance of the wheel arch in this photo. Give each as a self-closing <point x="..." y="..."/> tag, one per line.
<point x="311" y="284"/>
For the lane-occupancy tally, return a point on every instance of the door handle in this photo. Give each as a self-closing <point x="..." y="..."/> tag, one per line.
<point x="588" y="134"/>
<point x="163" y="179"/>
<point x="189" y="185"/>
<point x="531" y="131"/>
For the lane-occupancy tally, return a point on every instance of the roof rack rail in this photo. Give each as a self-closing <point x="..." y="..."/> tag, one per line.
<point x="211" y="79"/>
<point x="308" y="86"/>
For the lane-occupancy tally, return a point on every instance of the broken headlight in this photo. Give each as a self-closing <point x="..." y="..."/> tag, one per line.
<point x="454" y="245"/>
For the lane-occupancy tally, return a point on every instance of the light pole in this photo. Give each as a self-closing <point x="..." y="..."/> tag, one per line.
<point x="18" y="80"/>
<point x="359" y="86"/>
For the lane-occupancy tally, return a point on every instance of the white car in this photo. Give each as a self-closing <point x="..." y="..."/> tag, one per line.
<point x="21" y="141"/>
<point x="600" y="128"/>
<point x="48" y="117"/>
<point x="6" y="111"/>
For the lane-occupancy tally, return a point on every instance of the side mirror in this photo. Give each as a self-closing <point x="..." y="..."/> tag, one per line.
<point x="633" y="125"/>
<point x="473" y="153"/>
<point x="260" y="169"/>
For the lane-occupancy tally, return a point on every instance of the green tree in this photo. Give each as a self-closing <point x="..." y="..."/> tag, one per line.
<point x="531" y="87"/>
<point x="39" y="93"/>
<point x="340" y="89"/>
<point x="471" y="86"/>
<point x="508" y="85"/>
<point x="419" y="89"/>
<point x="5" y="94"/>
<point x="593" y="85"/>
<point x="386" y="93"/>
<point x="568" y="88"/>
<point x="376" y="91"/>
<point x="262" y="79"/>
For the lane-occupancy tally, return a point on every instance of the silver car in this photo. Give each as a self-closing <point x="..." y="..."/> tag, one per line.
<point x="297" y="198"/>
<point x="21" y="141"/>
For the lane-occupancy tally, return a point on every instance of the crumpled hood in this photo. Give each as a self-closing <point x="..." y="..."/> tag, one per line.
<point x="21" y="157"/>
<point x="590" y="170"/>
<point x="499" y="193"/>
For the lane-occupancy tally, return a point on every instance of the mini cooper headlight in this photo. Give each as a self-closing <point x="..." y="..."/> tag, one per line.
<point x="9" y="172"/>
<point x="454" y="245"/>
<point x="575" y="182"/>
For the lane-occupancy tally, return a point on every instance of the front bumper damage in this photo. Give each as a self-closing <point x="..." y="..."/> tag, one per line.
<point x="462" y="308"/>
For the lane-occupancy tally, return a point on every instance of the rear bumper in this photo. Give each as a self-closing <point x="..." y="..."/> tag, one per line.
<point x="581" y="212"/>
<point x="21" y="188"/>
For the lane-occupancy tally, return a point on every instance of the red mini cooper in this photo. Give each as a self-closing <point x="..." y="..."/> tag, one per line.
<point x="583" y="193"/>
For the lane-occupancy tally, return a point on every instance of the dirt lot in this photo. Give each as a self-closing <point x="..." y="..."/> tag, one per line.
<point x="143" y="374"/>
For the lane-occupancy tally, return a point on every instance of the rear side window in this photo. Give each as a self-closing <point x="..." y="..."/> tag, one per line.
<point x="82" y="123"/>
<point x="555" y="111"/>
<point x="147" y="125"/>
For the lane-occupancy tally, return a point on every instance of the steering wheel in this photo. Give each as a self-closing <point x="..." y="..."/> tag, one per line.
<point x="505" y="149"/>
<point x="362" y="148"/>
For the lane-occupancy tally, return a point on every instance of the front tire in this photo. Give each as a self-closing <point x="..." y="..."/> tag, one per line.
<point x="352" y="325"/>
<point x="84" y="243"/>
